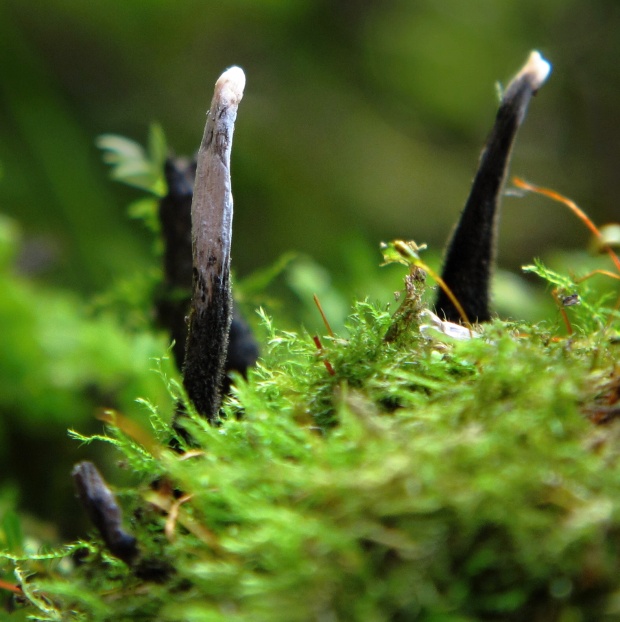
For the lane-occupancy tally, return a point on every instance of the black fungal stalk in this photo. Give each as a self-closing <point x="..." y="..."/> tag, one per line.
<point x="469" y="258"/>
<point x="212" y="210"/>
<point x="175" y="216"/>
<point x="103" y="511"/>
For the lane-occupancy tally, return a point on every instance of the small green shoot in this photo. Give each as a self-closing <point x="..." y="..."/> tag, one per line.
<point x="134" y="165"/>
<point x="565" y="288"/>
<point x="408" y="253"/>
<point x="140" y="168"/>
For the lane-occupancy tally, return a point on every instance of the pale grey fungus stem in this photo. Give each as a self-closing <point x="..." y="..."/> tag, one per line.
<point x="212" y="213"/>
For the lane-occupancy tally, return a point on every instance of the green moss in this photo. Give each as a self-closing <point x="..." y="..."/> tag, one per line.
<point x="422" y="480"/>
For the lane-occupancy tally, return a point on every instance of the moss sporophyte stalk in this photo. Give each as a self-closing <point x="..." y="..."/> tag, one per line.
<point x="414" y="465"/>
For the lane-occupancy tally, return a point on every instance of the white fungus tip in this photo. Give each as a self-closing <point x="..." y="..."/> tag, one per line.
<point x="231" y="83"/>
<point x="537" y="68"/>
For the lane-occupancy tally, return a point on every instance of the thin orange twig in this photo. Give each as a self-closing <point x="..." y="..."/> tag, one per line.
<point x="585" y="277"/>
<point x="11" y="587"/>
<point x="556" y="196"/>
<point x="319" y="347"/>
<point x="563" y="313"/>
<point x="317" y="302"/>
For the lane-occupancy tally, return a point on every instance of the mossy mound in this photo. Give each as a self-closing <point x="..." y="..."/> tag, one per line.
<point x="418" y="478"/>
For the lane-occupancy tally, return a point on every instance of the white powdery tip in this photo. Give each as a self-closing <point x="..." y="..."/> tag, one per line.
<point x="231" y="83"/>
<point x="537" y="68"/>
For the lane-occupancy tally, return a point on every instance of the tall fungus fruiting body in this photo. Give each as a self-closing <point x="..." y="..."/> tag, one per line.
<point x="175" y="216"/>
<point x="174" y="299"/>
<point x="212" y="211"/>
<point x="207" y="343"/>
<point x="470" y="254"/>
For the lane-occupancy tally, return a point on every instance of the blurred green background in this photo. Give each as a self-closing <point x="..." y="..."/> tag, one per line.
<point x="362" y="121"/>
<point x="361" y="118"/>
